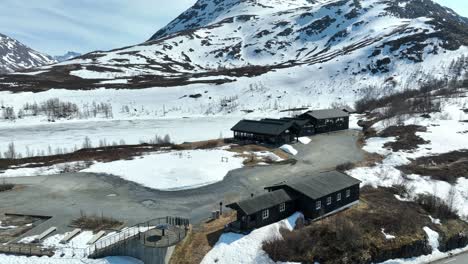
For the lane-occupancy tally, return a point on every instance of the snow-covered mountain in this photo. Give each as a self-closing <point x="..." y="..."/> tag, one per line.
<point x="67" y="56"/>
<point x="15" y="56"/>
<point x="345" y="44"/>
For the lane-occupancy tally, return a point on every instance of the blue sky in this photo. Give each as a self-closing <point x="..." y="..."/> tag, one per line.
<point x="57" y="26"/>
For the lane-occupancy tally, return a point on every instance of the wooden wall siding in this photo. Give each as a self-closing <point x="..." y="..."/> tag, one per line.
<point x="274" y="216"/>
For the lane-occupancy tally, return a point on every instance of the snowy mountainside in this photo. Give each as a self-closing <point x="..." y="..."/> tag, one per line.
<point x="67" y="56"/>
<point x="15" y="56"/>
<point x="217" y="42"/>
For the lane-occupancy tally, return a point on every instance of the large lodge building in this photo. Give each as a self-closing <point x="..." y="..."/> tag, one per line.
<point x="285" y="130"/>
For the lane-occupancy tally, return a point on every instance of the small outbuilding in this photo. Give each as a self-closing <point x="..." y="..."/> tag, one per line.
<point x="316" y="196"/>
<point x="327" y="120"/>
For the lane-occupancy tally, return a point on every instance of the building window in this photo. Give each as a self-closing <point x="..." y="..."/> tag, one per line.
<point x="318" y="205"/>
<point x="265" y="214"/>
<point x="282" y="207"/>
<point x="348" y="193"/>
<point x="328" y="200"/>
<point x="338" y="197"/>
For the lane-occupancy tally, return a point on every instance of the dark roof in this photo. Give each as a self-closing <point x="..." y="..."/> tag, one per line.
<point x="327" y="113"/>
<point x="320" y="185"/>
<point x="300" y="121"/>
<point x="348" y="109"/>
<point x="263" y="201"/>
<point x="263" y="127"/>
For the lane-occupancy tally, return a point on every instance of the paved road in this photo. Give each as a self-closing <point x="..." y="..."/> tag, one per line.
<point x="64" y="196"/>
<point x="458" y="259"/>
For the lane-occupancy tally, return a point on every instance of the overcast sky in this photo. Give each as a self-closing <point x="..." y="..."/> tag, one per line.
<point x="58" y="26"/>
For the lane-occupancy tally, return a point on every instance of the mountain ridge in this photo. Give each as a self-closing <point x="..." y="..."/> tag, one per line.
<point x="223" y="41"/>
<point x="15" y="56"/>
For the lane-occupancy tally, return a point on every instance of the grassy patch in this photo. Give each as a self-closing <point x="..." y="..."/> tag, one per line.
<point x="96" y="223"/>
<point x="406" y="138"/>
<point x="444" y="167"/>
<point x="200" y="240"/>
<point x="6" y="187"/>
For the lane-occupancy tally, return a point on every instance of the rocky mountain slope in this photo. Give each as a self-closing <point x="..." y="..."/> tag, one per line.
<point x="15" y="56"/>
<point x="67" y="56"/>
<point x="359" y="42"/>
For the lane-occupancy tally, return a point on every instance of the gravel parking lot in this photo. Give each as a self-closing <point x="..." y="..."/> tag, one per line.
<point x="64" y="196"/>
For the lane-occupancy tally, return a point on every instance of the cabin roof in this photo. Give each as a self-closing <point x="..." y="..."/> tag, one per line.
<point x="265" y="127"/>
<point x="263" y="201"/>
<point x="348" y="109"/>
<point x="327" y="113"/>
<point x="319" y="185"/>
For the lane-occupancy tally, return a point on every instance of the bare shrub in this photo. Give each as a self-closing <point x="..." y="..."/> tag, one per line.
<point x="345" y="166"/>
<point x="436" y="206"/>
<point x="95" y="223"/>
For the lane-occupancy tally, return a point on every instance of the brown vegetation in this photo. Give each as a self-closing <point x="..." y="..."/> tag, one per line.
<point x="200" y="240"/>
<point x="406" y="138"/>
<point x="96" y="223"/>
<point x="6" y="187"/>
<point x="444" y="167"/>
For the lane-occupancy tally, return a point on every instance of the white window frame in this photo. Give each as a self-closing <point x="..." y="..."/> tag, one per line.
<point x="338" y="197"/>
<point x="282" y="207"/>
<point x="265" y="214"/>
<point x="318" y="205"/>
<point x="348" y="193"/>
<point x="329" y="200"/>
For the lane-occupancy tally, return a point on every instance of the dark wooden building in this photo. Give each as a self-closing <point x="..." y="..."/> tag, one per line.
<point x="327" y="120"/>
<point x="269" y="131"/>
<point x="315" y="196"/>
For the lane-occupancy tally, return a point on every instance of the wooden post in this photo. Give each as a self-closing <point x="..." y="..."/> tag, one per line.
<point x="220" y="208"/>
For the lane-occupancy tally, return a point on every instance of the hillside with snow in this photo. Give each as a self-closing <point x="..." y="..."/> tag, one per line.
<point x="15" y="56"/>
<point x="344" y="44"/>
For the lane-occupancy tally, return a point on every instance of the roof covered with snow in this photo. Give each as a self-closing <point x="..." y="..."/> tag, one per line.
<point x="320" y="185"/>
<point x="264" y="201"/>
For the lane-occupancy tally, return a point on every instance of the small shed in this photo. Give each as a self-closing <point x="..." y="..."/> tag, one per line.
<point x="327" y="120"/>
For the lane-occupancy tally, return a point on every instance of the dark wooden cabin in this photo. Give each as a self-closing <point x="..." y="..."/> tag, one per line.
<point x="264" y="209"/>
<point x="323" y="193"/>
<point x="327" y="120"/>
<point x="271" y="131"/>
<point x="315" y="196"/>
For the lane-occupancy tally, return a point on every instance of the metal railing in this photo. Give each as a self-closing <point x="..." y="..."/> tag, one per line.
<point x="175" y="225"/>
<point x="25" y="250"/>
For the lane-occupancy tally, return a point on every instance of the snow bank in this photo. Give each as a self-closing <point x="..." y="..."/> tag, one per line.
<point x="36" y="171"/>
<point x="174" y="170"/>
<point x="239" y="249"/>
<point x="387" y="236"/>
<point x="268" y="155"/>
<point x="432" y="237"/>
<point x="289" y="149"/>
<point x="305" y="140"/>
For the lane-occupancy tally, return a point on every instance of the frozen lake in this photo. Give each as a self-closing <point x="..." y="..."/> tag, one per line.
<point x="67" y="135"/>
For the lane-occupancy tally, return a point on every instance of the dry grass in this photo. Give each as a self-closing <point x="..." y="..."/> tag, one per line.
<point x="200" y="240"/>
<point x="96" y="223"/>
<point x="6" y="187"/>
<point x="444" y="167"/>
<point x="251" y="159"/>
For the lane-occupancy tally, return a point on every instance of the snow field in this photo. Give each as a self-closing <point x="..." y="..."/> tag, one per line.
<point x="239" y="249"/>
